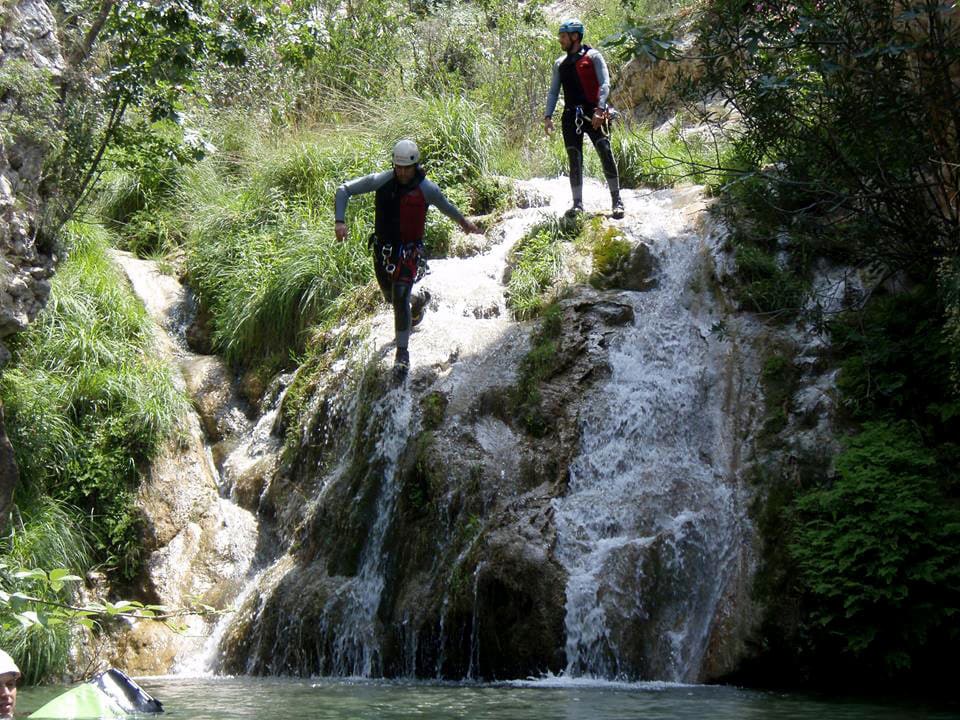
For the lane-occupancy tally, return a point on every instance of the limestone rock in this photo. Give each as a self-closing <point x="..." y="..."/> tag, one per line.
<point x="211" y="386"/>
<point x="168" y="504"/>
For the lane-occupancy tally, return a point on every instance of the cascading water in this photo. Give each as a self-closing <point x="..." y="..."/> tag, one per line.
<point x="350" y="616"/>
<point x="652" y="526"/>
<point x="213" y="548"/>
<point x="648" y="532"/>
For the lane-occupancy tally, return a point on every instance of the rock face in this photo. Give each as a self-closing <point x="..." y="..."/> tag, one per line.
<point x="462" y="582"/>
<point x="199" y="544"/>
<point x="27" y="35"/>
<point x="8" y="474"/>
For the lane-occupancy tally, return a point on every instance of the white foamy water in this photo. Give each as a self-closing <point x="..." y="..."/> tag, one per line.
<point x="350" y="615"/>
<point x="650" y="529"/>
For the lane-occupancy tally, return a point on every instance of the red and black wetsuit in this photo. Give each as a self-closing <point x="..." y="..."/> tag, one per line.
<point x="583" y="77"/>
<point x="399" y="222"/>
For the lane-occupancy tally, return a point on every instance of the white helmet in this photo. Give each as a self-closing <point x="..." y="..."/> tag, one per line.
<point x="7" y="665"/>
<point x="405" y="153"/>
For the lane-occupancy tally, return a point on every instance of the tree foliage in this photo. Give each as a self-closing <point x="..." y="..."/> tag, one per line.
<point x="857" y="102"/>
<point x="130" y="63"/>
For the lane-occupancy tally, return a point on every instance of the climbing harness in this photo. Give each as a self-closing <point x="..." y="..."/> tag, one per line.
<point x="581" y="117"/>
<point x="410" y="257"/>
<point x="423" y="269"/>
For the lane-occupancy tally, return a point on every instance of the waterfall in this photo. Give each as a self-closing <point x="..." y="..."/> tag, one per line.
<point x="648" y="532"/>
<point x="212" y="546"/>
<point x="651" y="528"/>
<point x="350" y="615"/>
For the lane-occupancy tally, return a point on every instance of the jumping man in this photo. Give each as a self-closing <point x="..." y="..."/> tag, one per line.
<point x="403" y="195"/>
<point x="582" y="73"/>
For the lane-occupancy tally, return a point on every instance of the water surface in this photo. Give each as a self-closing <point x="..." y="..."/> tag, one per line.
<point x="337" y="699"/>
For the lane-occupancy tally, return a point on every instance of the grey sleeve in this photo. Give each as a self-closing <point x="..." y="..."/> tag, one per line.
<point x="357" y="186"/>
<point x="435" y="197"/>
<point x="603" y="77"/>
<point x="554" y="94"/>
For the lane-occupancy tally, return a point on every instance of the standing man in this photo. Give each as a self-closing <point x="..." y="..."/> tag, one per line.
<point x="582" y="73"/>
<point x="9" y="676"/>
<point x="403" y="195"/>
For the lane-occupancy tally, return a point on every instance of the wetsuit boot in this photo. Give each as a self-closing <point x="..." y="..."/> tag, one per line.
<point x="617" y="206"/>
<point x="418" y="306"/>
<point x="401" y="364"/>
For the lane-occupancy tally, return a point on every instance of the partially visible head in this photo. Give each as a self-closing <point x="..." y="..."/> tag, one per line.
<point x="9" y="676"/>
<point x="571" y="32"/>
<point x="406" y="155"/>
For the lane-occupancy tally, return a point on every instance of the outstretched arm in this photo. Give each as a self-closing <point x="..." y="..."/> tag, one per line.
<point x="358" y="186"/>
<point x="435" y="196"/>
<point x="603" y="80"/>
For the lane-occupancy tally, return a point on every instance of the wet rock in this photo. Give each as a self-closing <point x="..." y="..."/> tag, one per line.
<point x="148" y="648"/>
<point x="169" y="504"/>
<point x="637" y="271"/>
<point x="199" y="332"/>
<point x="528" y="195"/>
<point x="211" y="386"/>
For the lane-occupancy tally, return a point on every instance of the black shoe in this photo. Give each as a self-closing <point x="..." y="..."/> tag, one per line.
<point x="575" y="210"/>
<point x="418" y="306"/>
<point x="617" y="209"/>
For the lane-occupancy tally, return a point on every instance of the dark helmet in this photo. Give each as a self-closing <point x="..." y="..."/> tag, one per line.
<point x="572" y="25"/>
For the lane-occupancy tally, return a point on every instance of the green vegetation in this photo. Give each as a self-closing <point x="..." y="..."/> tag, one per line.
<point x="878" y="553"/>
<point x="88" y="401"/>
<point x="538" y="365"/>
<point x="46" y="534"/>
<point x="609" y="250"/>
<point x="536" y="265"/>
<point x="434" y="407"/>
<point x="29" y="105"/>
<point x="224" y="130"/>
<point x="845" y="130"/>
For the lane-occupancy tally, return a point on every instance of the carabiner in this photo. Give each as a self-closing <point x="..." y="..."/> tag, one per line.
<point x="578" y="120"/>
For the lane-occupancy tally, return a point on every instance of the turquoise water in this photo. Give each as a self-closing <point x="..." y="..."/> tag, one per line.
<point x="322" y="699"/>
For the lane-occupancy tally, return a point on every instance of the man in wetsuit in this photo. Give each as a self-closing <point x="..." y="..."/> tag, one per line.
<point x="582" y="73"/>
<point x="403" y="195"/>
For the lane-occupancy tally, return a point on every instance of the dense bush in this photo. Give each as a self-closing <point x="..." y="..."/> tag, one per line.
<point x="45" y="534"/>
<point x="855" y="102"/>
<point x="878" y="552"/>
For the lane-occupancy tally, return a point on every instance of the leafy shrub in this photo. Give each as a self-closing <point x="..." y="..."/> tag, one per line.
<point x="764" y="285"/>
<point x="30" y="101"/>
<point x="878" y="551"/>
<point x="46" y="534"/>
<point x="895" y="363"/>
<point x="850" y="99"/>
